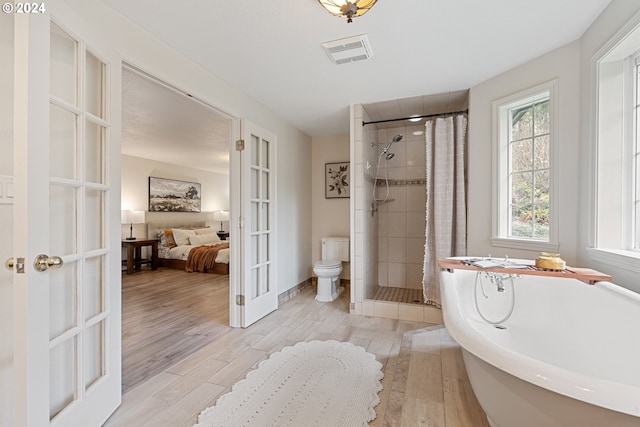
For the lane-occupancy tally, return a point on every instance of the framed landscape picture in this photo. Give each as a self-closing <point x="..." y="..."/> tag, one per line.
<point x="336" y="179"/>
<point x="170" y="195"/>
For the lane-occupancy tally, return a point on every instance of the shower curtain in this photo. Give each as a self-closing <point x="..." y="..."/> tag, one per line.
<point x="446" y="218"/>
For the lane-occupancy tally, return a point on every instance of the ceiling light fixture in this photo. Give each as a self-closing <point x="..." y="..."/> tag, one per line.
<point x="347" y="8"/>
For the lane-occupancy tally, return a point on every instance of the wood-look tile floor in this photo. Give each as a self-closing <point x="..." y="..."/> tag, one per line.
<point x="425" y="383"/>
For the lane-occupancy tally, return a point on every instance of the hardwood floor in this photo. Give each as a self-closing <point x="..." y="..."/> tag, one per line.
<point x="166" y="316"/>
<point x="425" y="383"/>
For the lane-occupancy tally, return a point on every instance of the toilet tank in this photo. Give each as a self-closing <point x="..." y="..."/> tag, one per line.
<point x="335" y="248"/>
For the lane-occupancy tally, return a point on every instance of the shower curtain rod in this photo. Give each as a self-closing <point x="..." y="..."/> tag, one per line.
<point x="415" y="117"/>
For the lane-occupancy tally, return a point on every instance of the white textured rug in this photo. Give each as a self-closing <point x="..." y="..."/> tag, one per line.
<point x="317" y="383"/>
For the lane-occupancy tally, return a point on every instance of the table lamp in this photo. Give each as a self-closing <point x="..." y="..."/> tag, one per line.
<point x="132" y="217"/>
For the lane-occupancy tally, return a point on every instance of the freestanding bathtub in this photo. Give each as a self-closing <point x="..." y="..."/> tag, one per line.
<point x="568" y="354"/>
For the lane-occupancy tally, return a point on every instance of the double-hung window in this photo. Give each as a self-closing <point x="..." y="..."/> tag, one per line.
<point x="616" y="222"/>
<point x="524" y="147"/>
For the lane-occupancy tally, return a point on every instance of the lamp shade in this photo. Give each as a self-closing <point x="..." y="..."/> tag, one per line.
<point x="348" y="9"/>
<point x="132" y="217"/>
<point x="221" y="216"/>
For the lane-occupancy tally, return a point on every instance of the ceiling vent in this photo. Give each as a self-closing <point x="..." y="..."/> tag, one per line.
<point x="356" y="48"/>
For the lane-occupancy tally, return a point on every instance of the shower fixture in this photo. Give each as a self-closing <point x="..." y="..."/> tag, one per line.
<point x="388" y="156"/>
<point x="385" y="150"/>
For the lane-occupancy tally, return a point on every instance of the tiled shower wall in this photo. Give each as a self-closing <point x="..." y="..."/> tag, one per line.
<point x="408" y="163"/>
<point x="365" y="225"/>
<point x="401" y="220"/>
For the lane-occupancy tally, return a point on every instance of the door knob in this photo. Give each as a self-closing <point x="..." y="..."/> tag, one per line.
<point x="18" y="263"/>
<point x="43" y="262"/>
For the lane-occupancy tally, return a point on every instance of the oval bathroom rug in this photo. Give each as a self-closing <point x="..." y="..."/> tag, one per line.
<point x="317" y="383"/>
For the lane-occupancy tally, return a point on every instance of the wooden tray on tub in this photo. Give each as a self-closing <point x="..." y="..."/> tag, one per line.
<point x="586" y="275"/>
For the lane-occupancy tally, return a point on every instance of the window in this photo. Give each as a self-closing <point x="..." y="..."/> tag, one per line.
<point x="616" y="222"/>
<point x="524" y="124"/>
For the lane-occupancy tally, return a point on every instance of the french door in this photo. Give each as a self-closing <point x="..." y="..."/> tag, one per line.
<point x="66" y="248"/>
<point x="257" y="290"/>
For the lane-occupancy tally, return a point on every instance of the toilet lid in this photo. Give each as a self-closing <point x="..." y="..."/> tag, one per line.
<point x="327" y="263"/>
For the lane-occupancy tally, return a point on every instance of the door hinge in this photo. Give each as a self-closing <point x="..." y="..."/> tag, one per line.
<point x="240" y="145"/>
<point x="240" y="300"/>
<point x="240" y="222"/>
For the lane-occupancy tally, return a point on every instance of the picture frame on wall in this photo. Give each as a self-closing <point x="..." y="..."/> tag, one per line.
<point x="336" y="178"/>
<point x="171" y="195"/>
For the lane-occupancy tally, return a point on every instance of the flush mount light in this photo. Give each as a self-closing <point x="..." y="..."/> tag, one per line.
<point x="347" y="8"/>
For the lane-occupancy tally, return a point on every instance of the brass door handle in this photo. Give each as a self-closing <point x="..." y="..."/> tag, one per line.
<point x="44" y="262"/>
<point x="18" y="263"/>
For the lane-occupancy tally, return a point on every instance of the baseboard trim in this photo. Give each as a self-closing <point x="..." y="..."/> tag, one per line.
<point x="290" y="293"/>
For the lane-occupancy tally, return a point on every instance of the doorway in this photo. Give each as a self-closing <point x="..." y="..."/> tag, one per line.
<point x="170" y="134"/>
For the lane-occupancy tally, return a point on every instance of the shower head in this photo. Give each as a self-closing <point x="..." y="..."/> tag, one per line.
<point x="389" y="156"/>
<point x="396" y="138"/>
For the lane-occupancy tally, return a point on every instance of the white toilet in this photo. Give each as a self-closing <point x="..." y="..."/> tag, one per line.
<point x="335" y="250"/>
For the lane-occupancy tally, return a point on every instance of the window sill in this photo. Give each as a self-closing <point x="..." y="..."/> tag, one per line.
<point x="616" y="258"/>
<point x="527" y="245"/>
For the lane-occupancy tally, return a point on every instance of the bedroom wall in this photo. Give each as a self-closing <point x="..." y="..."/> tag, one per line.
<point x="135" y="190"/>
<point x="293" y="186"/>
<point x="330" y="217"/>
<point x="562" y="64"/>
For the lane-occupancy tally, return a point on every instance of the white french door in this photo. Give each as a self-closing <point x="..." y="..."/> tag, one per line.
<point x="66" y="251"/>
<point x="257" y="294"/>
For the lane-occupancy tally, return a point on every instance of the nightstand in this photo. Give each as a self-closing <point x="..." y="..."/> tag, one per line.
<point x="133" y="249"/>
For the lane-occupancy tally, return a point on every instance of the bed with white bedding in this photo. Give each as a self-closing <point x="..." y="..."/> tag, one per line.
<point x="178" y="243"/>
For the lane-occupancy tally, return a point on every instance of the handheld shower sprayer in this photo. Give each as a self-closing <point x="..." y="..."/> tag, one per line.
<point x="385" y="150"/>
<point x="388" y="156"/>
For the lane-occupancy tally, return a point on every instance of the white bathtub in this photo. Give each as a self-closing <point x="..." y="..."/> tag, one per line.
<point x="569" y="356"/>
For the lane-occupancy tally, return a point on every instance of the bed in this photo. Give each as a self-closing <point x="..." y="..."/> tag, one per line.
<point x="191" y="246"/>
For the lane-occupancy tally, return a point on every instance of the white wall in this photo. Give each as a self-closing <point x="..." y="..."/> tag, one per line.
<point x="6" y="220"/>
<point x="293" y="189"/>
<point x="135" y="188"/>
<point x="612" y="19"/>
<point x="330" y="217"/>
<point x="562" y="64"/>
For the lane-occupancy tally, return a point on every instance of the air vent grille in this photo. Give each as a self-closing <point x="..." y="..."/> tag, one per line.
<point x="350" y="49"/>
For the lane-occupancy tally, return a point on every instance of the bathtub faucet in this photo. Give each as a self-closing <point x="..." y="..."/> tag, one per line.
<point x="498" y="279"/>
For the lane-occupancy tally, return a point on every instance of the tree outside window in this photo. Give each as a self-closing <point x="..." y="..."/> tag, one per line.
<point x="529" y="171"/>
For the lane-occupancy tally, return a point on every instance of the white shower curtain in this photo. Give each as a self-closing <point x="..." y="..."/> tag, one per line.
<point x="446" y="218"/>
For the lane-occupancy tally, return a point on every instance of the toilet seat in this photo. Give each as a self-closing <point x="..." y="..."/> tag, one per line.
<point x="327" y="264"/>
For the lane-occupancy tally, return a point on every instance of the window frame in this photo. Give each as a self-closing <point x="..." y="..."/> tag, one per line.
<point x="624" y="47"/>
<point x="500" y="174"/>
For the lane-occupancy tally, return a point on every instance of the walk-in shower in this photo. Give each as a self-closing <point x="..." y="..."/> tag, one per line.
<point x="388" y="155"/>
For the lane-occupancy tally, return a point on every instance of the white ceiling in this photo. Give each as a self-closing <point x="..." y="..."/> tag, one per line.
<point x="160" y="123"/>
<point x="271" y="50"/>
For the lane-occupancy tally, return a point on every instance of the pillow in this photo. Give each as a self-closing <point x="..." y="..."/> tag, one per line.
<point x="205" y="231"/>
<point x="203" y="239"/>
<point x="168" y="236"/>
<point x="181" y="237"/>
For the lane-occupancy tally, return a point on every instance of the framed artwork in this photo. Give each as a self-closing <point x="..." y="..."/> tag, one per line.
<point x="336" y="180"/>
<point x="170" y="195"/>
